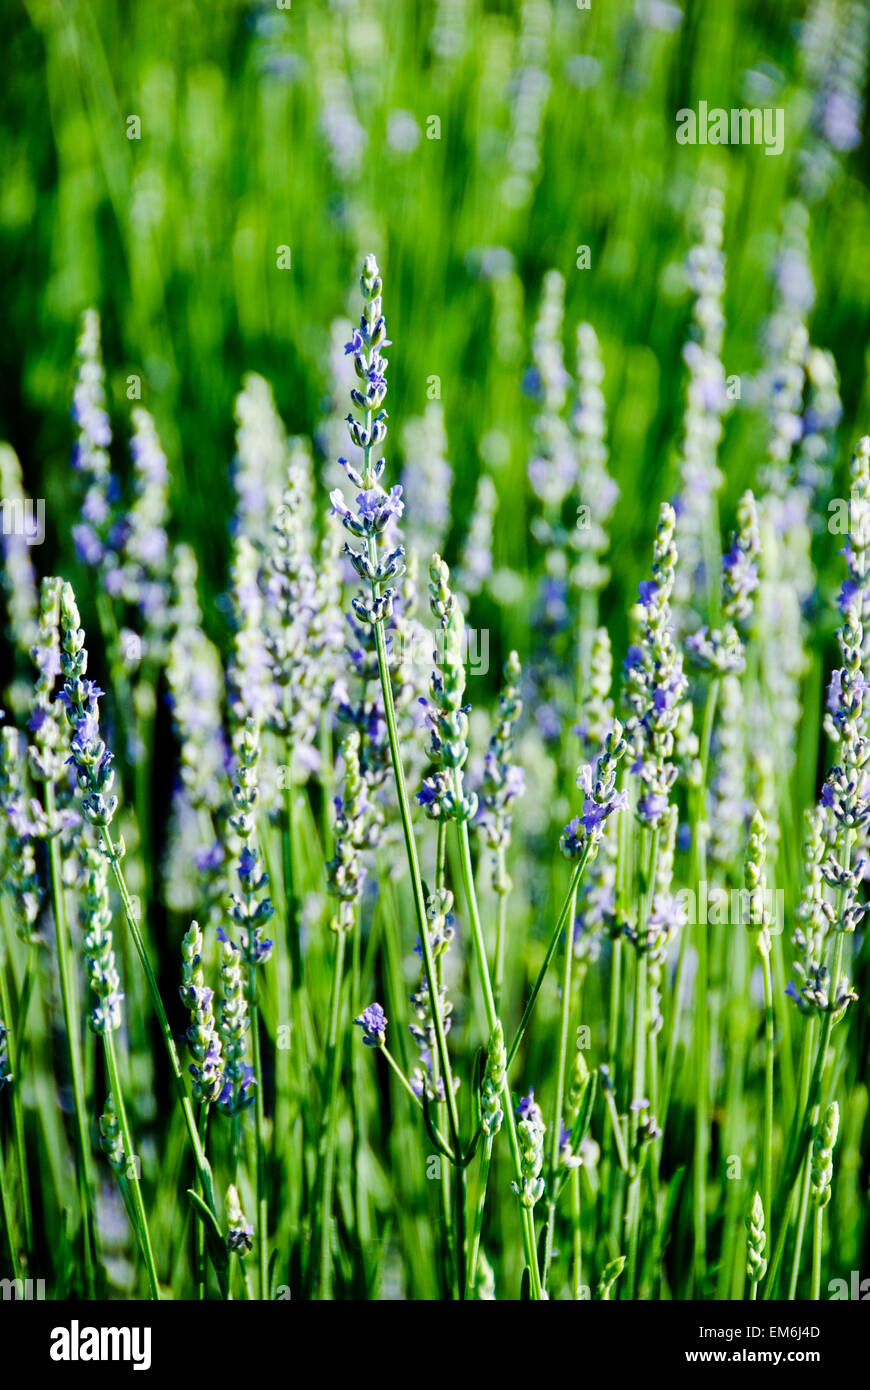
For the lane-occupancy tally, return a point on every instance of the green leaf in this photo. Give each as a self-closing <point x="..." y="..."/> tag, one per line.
<point x="213" y="1236"/>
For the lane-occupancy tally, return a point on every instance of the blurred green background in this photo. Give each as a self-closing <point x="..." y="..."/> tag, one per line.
<point x="307" y="127"/>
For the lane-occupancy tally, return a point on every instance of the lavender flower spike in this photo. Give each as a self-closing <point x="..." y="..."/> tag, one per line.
<point x="345" y="872"/>
<point x="202" y="1036"/>
<point x="90" y="756"/>
<point x="103" y="976"/>
<point x="601" y="799"/>
<point x="240" y="1233"/>
<point x="443" y="795"/>
<point x="655" y="681"/>
<point x="375" y="507"/>
<point x="237" y="1091"/>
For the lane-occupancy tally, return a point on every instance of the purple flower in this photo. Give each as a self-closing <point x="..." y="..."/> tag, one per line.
<point x="247" y="863"/>
<point x="428" y="793"/>
<point x="514" y="782"/>
<point x="647" y="590"/>
<point x="528" y="1109"/>
<point x="848" y="594"/>
<point x="574" y="837"/>
<point x="87" y="544"/>
<point x="595" y="813"/>
<point x="209" y="858"/>
<point x="373" y="1022"/>
<point x="548" y="722"/>
<point x="634" y="659"/>
<point x="652" y="807"/>
<point x="668" y="913"/>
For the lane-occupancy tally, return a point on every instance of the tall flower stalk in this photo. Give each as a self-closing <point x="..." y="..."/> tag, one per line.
<point x="346" y="876"/>
<point x="93" y="765"/>
<point x="374" y="509"/>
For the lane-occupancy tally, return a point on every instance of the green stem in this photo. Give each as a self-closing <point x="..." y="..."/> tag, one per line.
<point x="576" y="1235"/>
<point x="407" y="1086"/>
<point x="551" y="949"/>
<point x="818" y="1231"/>
<point x="767" y="1172"/>
<point x="500" y="927"/>
<point x="202" y="1164"/>
<point x="702" y="1064"/>
<point x="71" y="1024"/>
<point x="556" y="1133"/>
<point x="485" y="1161"/>
<point x="201" y="1269"/>
<point x="674" y="1029"/>
<point x="638" y="1073"/>
<point x="801" y="1227"/>
<point x="803" y="1091"/>
<point x="803" y="1131"/>
<point x="290" y="905"/>
<point x="492" y="1021"/>
<point x="6" y="1208"/>
<point x="131" y="1163"/>
<point x="451" y="1252"/>
<point x="328" y="1164"/>
<point x="616" y="1127"/>
<point x="638" y="1067"/>
<point x="16" y="1029"/>
<point x="414" y="867"/>
<point x="260" y="1121"/>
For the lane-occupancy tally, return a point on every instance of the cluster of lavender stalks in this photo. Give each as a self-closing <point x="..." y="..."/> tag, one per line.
<point x="295" y="663"/>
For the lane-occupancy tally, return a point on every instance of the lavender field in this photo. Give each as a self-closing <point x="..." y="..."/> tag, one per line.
<point x="435" y="764"/>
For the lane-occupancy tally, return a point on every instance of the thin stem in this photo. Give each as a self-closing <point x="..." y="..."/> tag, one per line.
<point x="202" y="1164"/>
<point x="201" y="1268"/>
<point x="500" y="925"/>
<point x="451" y="1261"/>
<point x="818" y="1231"/>
<point x="699" y="1198"/>
<point x="803" y="1131"/>
<point x="767" y="1172"/>
<point x="131" y="1163"/>
<point x="801" y="1227"/>
<point x="638" y="1072"/>
<point x="407" y="1086"/>
<point x="554" y="941"/>
<point x="260" y="1121"/>
<point x="576" y="1236"/>
<point x="485" y="1161"/>
<point x="328" y="1163"/>
<point x="71" y="1024"/>
<point x="803" y="1091"/>
<point x="638" y="1068"/>
<point x="288" y="848"/>
<point x="619" y="1140"/>
<point x="416" y="882"/>
<point x="556" y="1133"/>
<point x="492" y="1021"/>
<point x="674" y="1029"/>
<point x="6" y="1208"/>
<point x="16" y="1029"/>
